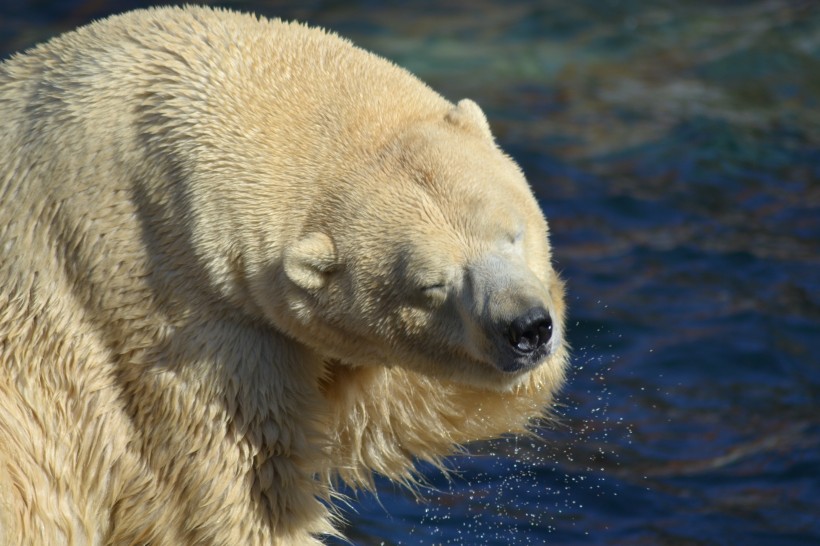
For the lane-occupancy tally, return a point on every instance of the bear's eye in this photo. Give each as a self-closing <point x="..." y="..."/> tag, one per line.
<point x="516" y="237"/>
<point x="435" y="292"/>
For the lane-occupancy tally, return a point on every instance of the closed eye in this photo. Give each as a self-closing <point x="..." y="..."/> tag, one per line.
<point x="516" y="236"/>
<point x="435" y="292"/>
<point x="434" y="288"/>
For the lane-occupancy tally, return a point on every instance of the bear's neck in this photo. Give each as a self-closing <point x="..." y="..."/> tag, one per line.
<point x="223" y="413"/>
<point x="220" y="409"/>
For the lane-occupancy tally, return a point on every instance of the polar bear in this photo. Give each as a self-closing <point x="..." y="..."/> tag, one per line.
<point x="242" y="260"/>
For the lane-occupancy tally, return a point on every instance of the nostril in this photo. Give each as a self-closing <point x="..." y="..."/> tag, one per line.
<point x="531" y="331"/>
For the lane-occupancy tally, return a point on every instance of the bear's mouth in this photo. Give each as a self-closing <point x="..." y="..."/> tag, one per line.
<point x="523" y="361"/>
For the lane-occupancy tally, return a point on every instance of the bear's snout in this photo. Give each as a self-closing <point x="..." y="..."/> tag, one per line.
<point x="512" y="307"/>
<point x="528" y="337"/>
<point x="530" y="332"/>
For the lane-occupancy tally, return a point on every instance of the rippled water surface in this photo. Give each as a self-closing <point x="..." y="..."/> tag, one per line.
<point x="675" y="148"/>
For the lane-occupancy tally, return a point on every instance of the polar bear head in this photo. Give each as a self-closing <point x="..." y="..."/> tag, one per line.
<point x="433" y="256"/>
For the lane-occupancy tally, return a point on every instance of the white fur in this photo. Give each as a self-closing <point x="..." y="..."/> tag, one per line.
<point x="242" y="258"/>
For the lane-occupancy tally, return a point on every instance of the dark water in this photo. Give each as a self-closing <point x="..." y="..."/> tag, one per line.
<point x="675" y="147"/>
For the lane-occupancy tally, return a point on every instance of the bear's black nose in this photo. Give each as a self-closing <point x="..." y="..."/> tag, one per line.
<point x="531" y="331"/>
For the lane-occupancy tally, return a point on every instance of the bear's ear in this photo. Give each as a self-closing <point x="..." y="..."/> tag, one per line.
<point x="308" y="262"/>
<point x="468" y="115"/>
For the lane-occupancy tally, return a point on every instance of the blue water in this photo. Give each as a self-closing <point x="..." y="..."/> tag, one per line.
<point x="676" y="151"/>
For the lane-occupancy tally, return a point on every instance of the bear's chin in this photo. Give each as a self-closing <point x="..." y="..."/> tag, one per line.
<point x="470" y="374"/>
<point x="489" y="379"/>
<point x="477" y="375"/>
